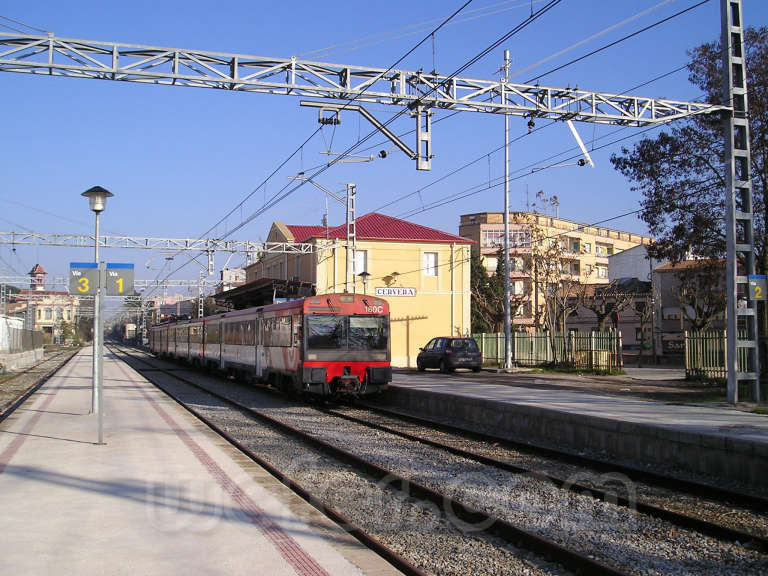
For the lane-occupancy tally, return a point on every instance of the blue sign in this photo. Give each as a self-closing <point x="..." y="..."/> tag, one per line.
<point x="757" y="286"/>
<point x="84" y="278"/>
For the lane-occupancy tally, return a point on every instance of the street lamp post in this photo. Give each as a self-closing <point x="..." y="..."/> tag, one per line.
<point x="97" y="201"/>
<point x="364" y="277"/>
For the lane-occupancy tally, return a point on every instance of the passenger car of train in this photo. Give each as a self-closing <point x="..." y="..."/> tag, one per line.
<point x="329" y="345"/>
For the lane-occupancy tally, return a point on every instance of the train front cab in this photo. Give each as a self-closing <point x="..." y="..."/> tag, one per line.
<point x="346" y="345"/>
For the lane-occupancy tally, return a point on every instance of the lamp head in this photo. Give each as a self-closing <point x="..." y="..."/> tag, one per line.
<point x="97" y="198"/>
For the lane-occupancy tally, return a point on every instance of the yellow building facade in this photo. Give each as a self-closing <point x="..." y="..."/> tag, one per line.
<point x="421" y="272"/>
<point x="584" y="250"/>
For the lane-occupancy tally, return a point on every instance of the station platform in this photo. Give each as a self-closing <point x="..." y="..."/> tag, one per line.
<point x="162" y="495"/>
<point x="717" y="441"/>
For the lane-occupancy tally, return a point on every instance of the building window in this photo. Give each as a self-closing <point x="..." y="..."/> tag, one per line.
<point x="587" y="247"/>
<point x="602" y="271"/>
<point x="574" y="246"/>
<point x="495" y="238"/>
<point x="69" y="315"/>
<point x="587" y="269"/>
<point x="39" y="314"/>
<point x="361" y="261"/>
<point x="603" y="249"/>
<point x="48" y="314"/>
<point x="430" y="263"/>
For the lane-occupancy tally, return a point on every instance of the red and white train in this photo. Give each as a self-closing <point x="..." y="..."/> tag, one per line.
<point x="329" y="345"/>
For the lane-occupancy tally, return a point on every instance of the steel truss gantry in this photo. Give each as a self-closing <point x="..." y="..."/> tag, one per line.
<point x="137" y="283"/>
<point x="76" y="58"/>
<point x="247" y="247"/>
<point x="418" y="90"/>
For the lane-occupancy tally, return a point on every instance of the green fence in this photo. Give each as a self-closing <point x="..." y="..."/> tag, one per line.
<point x="583" y="350"/>
<point x="705" y="354"/>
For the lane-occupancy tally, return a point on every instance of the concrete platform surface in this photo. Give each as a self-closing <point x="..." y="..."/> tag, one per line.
<point x="163" y="495"/>
<point x="719" y="441"/>
<point x="716" y="420"/>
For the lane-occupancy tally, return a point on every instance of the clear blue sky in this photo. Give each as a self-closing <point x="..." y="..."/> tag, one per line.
<point x="177" y="159"/>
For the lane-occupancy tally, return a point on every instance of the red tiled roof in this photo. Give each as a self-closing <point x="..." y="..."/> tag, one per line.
<point x="688" y="264"/>
<point x="38" y="270"/>
<point x="304" y="233"/>
<point x="375" y="226"/>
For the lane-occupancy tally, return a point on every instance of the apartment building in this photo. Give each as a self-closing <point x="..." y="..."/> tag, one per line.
<point x="584" y="251"/>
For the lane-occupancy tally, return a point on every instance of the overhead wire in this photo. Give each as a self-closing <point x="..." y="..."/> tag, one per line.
<point x="20" y="23"/>
<point x="575" y="60"/>
<point x="352" y="148"/>
<point x="627" y="91"/>
<point x="413" y="29"/>
<point x="279" y="196"/>
<point x="482" y="187"/>
<point x="594" y="36"/>
<point x="520" y="137"/>
<point x="615" y="42"/>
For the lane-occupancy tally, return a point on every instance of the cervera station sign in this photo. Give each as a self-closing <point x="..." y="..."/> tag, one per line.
<point x="389" y="292"/>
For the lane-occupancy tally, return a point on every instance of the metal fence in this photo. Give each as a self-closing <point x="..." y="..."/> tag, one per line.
<point x="705" y="354"/>
<point x="14" y="339"/>
<point x="582" y="350"/>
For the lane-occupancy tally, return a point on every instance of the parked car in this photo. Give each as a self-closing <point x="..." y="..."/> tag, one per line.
<point x="447" y="354"/>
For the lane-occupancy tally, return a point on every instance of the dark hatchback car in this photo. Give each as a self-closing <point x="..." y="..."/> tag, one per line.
<point x="450" y="353"/>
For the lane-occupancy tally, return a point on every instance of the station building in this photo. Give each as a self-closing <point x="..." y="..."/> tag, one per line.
<point x="421" y="272"/>
<point x="44" y="310"/>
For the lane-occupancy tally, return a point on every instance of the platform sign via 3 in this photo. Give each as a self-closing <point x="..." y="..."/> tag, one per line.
<point x="84" y="278"/>
<point x="757" y="287"/>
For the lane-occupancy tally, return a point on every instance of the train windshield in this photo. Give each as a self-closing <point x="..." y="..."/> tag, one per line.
<point x="337" y="332"/>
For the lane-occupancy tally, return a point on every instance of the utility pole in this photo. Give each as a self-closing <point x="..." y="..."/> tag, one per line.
<point x="351" y="240"/>
<point x="507" y="291"/>
<point x="351" y="246"/>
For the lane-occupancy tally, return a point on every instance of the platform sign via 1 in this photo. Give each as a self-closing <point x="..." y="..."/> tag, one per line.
<point x="119" y="279"/>
<point x="757" y="287"/>
<point x="84" y="278"/>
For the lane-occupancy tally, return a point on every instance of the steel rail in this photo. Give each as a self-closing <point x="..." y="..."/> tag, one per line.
<point x="755" y="502"/>
<point x="11" y="407"/>
<point x="683" y="520"/>
<point x="496" y="526"/>
<point x="361" y="535"/>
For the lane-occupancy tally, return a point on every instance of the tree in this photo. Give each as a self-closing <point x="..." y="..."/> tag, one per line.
<point x="67" y="332"/>
<point x="607" y="301"/>
<point x="702" y="293"/>
<point x="680" y="172"/>
<point x="553" y="278"/>
<point x="642" y="305"/>
<point x="485" y="299"/>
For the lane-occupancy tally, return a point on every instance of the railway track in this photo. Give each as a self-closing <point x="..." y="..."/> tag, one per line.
<point x="470" y="513"/>
<point x="21" y="385"/>
<point x="668" y="481"/>
<point x="592" y="482"/>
